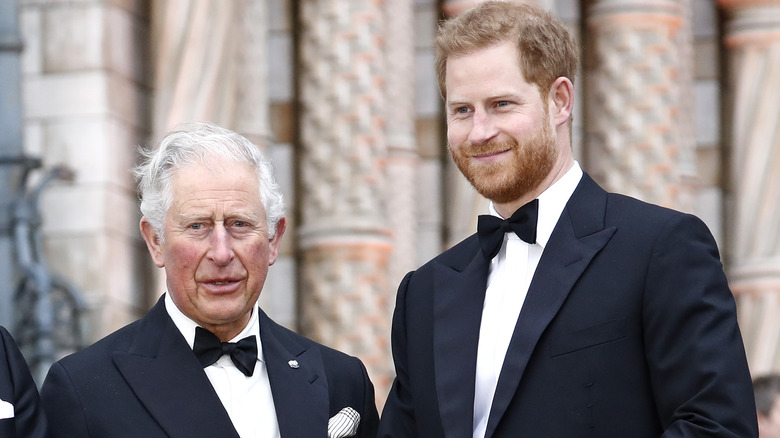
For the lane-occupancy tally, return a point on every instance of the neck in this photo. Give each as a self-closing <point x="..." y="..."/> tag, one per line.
<point x="226" y="332"/>
<point x="506" y="209"/>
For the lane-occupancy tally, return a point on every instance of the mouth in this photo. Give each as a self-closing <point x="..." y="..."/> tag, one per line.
<point x="490" y="157"/>
<point x="221" y="282"/>
<point x="490" y="154"/>
<point x="222" y="285"/>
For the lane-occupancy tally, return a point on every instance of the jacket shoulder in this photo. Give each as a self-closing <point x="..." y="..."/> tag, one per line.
<point x="98" y="353"/>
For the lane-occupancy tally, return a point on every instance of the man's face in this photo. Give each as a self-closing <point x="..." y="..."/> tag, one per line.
<point x="499" y="130"/>
<point x="217" y="250"/>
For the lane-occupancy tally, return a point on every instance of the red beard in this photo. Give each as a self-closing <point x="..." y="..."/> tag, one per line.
<point x="503" y="182"/>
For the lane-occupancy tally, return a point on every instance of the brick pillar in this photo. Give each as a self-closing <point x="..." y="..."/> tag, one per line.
<point x="638" y="139"/>
<point x="344" y="236"/>
<point x="753" y="43"/>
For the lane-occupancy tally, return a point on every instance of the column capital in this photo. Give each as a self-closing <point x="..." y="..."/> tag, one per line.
<point x="636" y="12"/>
<point x="752" y="22"/>
<point x="733" y="5"/>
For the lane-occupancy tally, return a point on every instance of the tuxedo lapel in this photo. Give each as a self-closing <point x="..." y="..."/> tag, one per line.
<point x="458" y="299"/>
<point x="166" y="376"/>
<point x="298" y="382"/>
<point x="577" y="238"/>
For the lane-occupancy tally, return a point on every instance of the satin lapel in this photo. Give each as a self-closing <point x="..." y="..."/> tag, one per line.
<point x="567" y="255"/>
<point x="457" y="313"/>
<point x="163" y="372"/>
<point x="300" y="391"/>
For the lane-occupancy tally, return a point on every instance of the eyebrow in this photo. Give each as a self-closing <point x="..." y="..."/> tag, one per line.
<point x="455" y="103"/>
<point x="184" y="217"/>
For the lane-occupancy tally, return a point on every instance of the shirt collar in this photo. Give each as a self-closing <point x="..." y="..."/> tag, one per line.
<point x="552" y="202"/>
<point x="187" y="326"/>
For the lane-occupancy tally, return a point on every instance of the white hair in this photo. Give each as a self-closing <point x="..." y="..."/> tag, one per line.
<point x="201" y="142"/>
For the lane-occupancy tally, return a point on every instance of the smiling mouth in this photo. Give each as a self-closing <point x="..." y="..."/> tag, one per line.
<point x="490" y="154"/>
<point x="220" y="283"/>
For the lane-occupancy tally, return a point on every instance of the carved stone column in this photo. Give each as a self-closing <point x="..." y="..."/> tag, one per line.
<point x="403" y="157"/>
<point x="344" y="236"/>
<point x="638" y="140"/>
<point x="753" y="43"/>
<point x="210" y="65"/>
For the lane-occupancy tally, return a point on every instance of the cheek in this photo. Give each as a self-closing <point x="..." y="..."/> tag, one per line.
<point x="458" y="131"/>
<point x="184" y="257"/>
<point x="253" y="256"/>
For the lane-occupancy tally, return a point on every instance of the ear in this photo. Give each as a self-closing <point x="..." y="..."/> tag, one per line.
<point x="152" y="242"/>
<point x="561" y="100"/>
<point x="276" y="241"/>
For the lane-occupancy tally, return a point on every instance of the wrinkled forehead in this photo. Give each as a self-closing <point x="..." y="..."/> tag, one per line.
<point x="215" y="180"/>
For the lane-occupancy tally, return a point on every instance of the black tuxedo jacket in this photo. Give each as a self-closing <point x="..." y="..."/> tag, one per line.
<point x="18" y="388"/>
<point x="628" y="330"/>
<point x="145" y="381"/>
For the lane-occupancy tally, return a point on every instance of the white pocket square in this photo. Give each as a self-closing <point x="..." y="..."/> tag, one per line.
<point x="7" y="410"/>
<point x="344" y="424"/>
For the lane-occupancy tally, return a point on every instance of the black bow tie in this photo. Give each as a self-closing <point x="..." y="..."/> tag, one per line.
<point x="491" y="229"/>
<point x="208" y="348"/>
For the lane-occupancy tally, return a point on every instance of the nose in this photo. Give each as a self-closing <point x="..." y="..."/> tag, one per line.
<point x="483" y="127"/>
<point x="221" y="248"/>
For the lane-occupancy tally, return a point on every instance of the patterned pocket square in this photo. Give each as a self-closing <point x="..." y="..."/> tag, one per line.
<point x="7" y="410"/>
<point x="344" y="424"/>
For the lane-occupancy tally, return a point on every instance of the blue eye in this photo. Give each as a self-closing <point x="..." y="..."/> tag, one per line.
<point x="197" y="226"/>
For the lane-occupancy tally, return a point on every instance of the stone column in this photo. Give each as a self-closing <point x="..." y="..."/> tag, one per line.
<point x="403" y="157"/>
<point x="344" y="235"/>
<point x="209" y="61"/>
<point x="638" y="136"/>
<point x="753" y="43"/>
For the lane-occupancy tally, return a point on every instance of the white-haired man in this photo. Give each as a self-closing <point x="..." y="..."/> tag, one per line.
<point x="206" y="361"/>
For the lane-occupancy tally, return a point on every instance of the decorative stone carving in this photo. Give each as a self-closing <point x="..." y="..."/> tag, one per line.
<point x="753" y="43"/>
<point x="344" y="235"/>
<point x="638" y="143"/>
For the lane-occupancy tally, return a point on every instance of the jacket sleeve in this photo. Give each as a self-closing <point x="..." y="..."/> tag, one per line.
<point x="370" y="418"/>
<point x="29" y="420"/>
<point x="62" y="405"/>
<point x="693" y="346"/>
<point x="398" y="418"/>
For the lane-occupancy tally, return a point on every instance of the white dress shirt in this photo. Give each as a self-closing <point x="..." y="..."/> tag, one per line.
<point x="247" y="400"/>
<point x="511" y="271"/>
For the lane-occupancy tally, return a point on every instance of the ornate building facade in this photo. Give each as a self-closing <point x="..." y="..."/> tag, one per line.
<point x="678" y="104"/>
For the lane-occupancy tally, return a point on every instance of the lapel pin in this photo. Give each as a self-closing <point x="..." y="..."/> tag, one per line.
<point x="293" y="364"/>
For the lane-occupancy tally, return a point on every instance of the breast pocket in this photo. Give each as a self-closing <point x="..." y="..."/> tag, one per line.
<point x="588" y="337"/>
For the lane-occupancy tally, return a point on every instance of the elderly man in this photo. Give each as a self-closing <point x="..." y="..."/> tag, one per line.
<point x="206" y="361"/>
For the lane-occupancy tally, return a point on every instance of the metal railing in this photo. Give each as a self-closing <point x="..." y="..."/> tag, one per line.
<point x="48" y="309"/>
